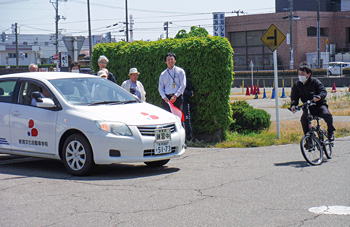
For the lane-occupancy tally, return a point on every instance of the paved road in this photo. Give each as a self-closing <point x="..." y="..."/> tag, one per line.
<point x="269" y="186"/>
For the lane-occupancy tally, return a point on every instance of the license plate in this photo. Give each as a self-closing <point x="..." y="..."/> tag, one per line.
<point x="162" y="141"/>
<point x="162" y="135"/>
<point x="162" y="148"/>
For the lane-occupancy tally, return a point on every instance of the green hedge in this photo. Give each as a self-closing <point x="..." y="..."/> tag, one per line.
<point x="206" y="61"/>
<point x="248" y="119"/>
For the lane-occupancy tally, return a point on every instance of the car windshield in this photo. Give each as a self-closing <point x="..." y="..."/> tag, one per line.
<point x="92" y="91"/>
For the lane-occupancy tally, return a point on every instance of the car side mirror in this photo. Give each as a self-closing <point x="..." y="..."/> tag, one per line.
<point x="46" y="103"/>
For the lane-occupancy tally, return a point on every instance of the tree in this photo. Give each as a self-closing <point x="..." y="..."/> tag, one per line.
<point x="195" y="32"/>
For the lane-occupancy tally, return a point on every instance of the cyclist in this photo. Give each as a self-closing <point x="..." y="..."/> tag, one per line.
<point x="309" y="88"/>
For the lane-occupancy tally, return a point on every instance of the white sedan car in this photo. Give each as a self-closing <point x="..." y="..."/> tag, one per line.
<point x="83" y="120"/>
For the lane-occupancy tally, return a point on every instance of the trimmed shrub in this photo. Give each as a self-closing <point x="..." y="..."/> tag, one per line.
<point x="207" y="62"/>
<point x="248" y="119"/>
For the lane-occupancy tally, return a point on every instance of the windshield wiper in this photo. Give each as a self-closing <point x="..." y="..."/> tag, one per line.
<point x="112" y="102"/>
<point x="105" y="102"/>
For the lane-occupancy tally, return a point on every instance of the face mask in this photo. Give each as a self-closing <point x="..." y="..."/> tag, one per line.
<point x="302" y="79"/>
<point x="75" y="71"/>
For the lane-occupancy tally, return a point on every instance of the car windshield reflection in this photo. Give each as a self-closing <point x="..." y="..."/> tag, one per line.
<point x="92" y="91"/>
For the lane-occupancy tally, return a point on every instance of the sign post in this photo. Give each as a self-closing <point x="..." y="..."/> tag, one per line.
<point x="252" y="69"/>
<point x="273" y="38"/>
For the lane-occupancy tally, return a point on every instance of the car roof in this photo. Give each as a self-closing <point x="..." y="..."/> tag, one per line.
<point x="339" y="62"/>
<point x="47" y="75"/>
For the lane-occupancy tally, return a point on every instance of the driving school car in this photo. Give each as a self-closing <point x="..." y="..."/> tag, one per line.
<point x="83" y="120"/>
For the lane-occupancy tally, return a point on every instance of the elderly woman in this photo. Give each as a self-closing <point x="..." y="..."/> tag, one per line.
<point x="102" y="64"/>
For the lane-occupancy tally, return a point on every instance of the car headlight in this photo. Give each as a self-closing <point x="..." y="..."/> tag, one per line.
<point x="116" y="128"/>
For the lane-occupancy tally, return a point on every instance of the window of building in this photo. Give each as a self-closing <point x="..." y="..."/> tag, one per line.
<point x="238" y="39"/>
<point x="12" y="55"/>
<point x="25" y="43"/>
<point x="312" y="31"/>
<point x="347" y="35"/>
<point x="46" y="43"/>
<point x="247" y="46"/>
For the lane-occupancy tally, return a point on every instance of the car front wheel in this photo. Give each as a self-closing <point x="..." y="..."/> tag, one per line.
<point x="77" y="155"/>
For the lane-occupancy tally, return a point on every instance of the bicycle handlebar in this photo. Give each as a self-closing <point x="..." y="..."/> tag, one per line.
<point x="307" y="103"/>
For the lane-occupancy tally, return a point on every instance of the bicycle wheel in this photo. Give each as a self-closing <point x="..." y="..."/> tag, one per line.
<point x="311" y="149"/>
<point x="327" y="146"/>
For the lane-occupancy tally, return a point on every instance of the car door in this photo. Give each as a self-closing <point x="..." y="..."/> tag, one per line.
<point x="33" y="129"/>
<point x="7" y="93"/>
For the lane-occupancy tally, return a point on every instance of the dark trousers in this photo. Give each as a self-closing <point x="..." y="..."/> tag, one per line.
<point x="188" y="127"/>
<point x="322" y="112"/>
<point x="178" y="103"/>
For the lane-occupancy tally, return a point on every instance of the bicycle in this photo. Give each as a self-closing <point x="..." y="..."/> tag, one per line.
<point x="315" y="141"/>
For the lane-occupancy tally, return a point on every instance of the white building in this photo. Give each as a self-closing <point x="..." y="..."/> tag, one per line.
<point x="37" y="49"/>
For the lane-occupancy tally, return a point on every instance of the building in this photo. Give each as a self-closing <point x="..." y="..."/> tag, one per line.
<point x="244" y="33"/>
<point x="37" y="48"/>
<point x="310" y="5"/>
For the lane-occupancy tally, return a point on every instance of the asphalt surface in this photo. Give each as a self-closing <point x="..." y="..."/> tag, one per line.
<point x="268" y="186"/>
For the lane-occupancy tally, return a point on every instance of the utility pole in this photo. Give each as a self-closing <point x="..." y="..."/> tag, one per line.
<point x="58" y="17"/>
<point x="291" y="64"/>
<point x="318" y="33"/>
<point x="16" y="34"/>
<point x="126" y="20"/>
<point x="166" y="28"/>
<point x="131" y="29"/>
<point x="89" y="24"/>
<point x="238" y="12"/>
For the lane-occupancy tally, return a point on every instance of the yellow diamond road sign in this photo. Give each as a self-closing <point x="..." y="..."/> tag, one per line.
<point x="273" y="37"/>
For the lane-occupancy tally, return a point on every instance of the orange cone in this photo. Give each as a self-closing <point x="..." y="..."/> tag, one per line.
<point x="334" y="88"/>
<point x="252" y="90"/>
<point x="258" y="89"/>
<point x="247" y="92"/>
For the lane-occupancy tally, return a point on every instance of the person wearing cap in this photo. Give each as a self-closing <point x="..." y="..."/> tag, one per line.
<point x="102" y="64"/>
<point x="102" y="74"/>
<point x="134" y="86"/>
<point x="172" y="83"/>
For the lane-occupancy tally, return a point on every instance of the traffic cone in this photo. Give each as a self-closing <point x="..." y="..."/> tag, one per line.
<point x="252" y="90"/>
<point x="258" y="89"/>
<point x="247" y="92"/>
<point x="333" y="88"/>
<point x="256" y="95"/>
<point x="255" y="90"/>
<point x="264" y="96"/>
<point x="283" y="94"/>
<point x="273" y="93"/>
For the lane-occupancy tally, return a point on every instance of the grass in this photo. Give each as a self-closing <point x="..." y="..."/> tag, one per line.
<point x="290" y="131"/>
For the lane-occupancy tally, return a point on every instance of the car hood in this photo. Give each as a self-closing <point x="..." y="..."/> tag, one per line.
<point x="130" y="114"/>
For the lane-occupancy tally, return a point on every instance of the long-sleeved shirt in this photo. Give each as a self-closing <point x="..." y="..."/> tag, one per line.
<point x="172" y="81"/>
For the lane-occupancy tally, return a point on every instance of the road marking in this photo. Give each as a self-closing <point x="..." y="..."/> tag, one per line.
<point x="337" y="210"/>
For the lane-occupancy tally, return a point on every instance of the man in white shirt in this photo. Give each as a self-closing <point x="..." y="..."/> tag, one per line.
<point x="172" y="83"/>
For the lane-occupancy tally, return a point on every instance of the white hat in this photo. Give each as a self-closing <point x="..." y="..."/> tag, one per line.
<point x="102" y="74"/>
<point x="133" y="70"/>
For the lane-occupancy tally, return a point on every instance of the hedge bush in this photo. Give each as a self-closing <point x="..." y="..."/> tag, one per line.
<point x="206" y="61"/>
<point x="248" y="119"/>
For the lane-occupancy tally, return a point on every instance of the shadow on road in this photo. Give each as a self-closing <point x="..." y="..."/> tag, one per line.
<point x="54" y="169"/>
<point x="296" y="164"/>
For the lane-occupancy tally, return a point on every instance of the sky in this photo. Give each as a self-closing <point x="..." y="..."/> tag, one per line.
<point x="38" y="16"/>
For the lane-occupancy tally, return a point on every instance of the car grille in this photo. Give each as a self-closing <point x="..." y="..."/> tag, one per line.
<point x="150" y="152"/>
<point x="149" y="130"/>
